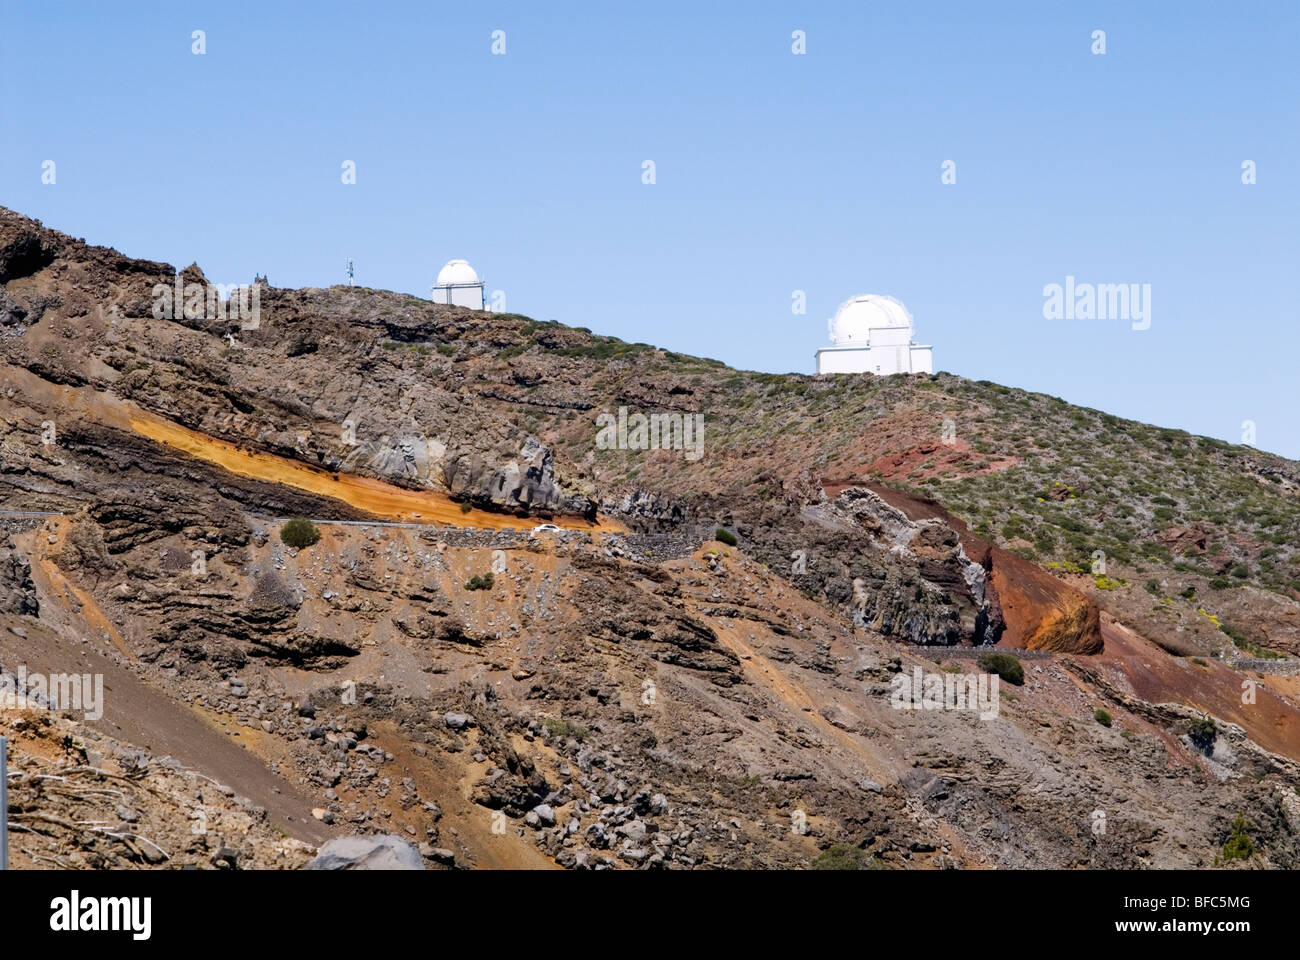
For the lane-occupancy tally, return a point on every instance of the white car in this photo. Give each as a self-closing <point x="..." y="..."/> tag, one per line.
<point x="544" y="528"/>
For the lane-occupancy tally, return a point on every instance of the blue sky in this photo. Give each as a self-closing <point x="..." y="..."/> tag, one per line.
<point x="774" y="172"/>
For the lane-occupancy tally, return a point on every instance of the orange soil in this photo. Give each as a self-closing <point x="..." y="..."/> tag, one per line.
<point x="373" y="496"/>
<point x="69" y="593"/>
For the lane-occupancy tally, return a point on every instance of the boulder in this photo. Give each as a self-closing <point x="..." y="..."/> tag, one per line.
<point x="17" y="592"/>
<point x="381" y="852"/>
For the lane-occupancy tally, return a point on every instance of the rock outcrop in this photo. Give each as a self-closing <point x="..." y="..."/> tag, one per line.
<point x="382" y="852"/>
<point x="17" y="592"/>
<point x="525" y="483"/>
<point x="1039" y="611"/>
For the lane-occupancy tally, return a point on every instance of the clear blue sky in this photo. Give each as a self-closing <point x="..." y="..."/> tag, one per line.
<point x="775" y="172"/>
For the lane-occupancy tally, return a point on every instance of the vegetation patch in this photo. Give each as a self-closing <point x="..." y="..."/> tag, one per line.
<point x="1005" y="666"/>
<point x="1238" y="846"/>
<point x="845" y="856"/>
<point x="1202" y="732"/>
<point x="300" y="533"/>
<point x="563" y="728"/>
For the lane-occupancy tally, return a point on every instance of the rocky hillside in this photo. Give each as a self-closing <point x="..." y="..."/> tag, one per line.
<point x="698" y="667"/>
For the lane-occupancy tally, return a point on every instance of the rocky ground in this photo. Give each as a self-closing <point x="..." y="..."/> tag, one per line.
<point x="79" y="800"/>
<point x="697" y="670"/>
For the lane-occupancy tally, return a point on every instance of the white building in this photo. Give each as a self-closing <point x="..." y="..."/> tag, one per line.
<point x="459" y="285"/>
<point x="873" y="334"/>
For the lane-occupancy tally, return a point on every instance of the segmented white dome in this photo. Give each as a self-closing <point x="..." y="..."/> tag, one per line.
<point x="456" y="271"/>
<point x="857" y="317"/>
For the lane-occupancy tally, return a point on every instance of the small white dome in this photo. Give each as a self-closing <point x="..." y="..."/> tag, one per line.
<point x="456" y="271"/>
<point x="856" y="318"/>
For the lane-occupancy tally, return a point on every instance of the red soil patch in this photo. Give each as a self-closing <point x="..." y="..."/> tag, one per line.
<point x="1272" y="721"/>
<point x="898" y="444"/>
<point x="957" y="457"/>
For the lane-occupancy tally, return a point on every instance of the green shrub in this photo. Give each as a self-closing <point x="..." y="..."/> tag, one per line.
<point x="1202" y="732"/>
<point x="845" y="856"/>
<point x="1015" y="529"/>
<point x="1239" y="845"/>
<point x="723" y="535"/>
<point x="1005" y="666"/>
<point x="480" y="581"/>
<point x="1102" y="717"/>
<point x="1237" y="636"/>
<point x="564" y="728"/>
<point x="466" y="506"/>
<point x="299" y="533"/>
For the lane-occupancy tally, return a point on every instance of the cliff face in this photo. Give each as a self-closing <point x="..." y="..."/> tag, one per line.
<point x="932" y="592"/>
<point x="1039" y="611"/>
<point x="636" y="655"/>
<point x="347" y="380"/>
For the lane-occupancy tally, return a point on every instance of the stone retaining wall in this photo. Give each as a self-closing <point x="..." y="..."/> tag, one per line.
<point x="1287" y="667"/>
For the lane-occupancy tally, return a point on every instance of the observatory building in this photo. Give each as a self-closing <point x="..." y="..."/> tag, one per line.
<point x="873" y="334"/>
<point x="458" y="285"/>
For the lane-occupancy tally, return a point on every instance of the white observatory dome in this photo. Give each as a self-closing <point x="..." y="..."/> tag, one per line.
<point x="856" y="318"/>
<point x="456" y="271"/>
